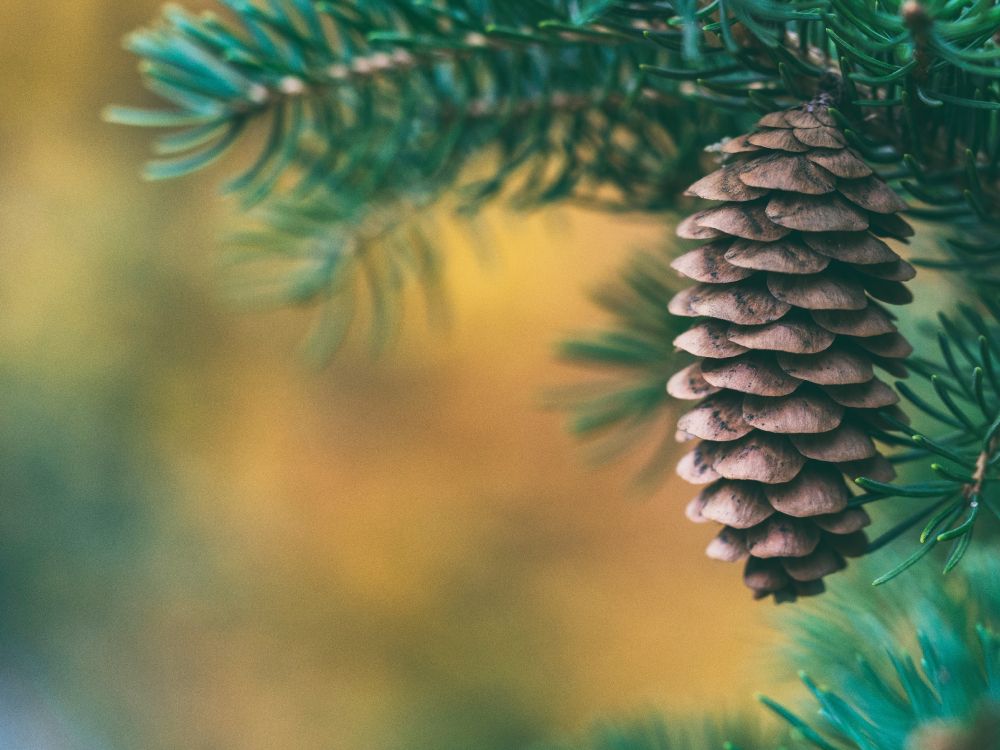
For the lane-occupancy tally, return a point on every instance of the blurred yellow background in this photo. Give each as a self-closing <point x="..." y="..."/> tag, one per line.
<point x="204" y="543"/>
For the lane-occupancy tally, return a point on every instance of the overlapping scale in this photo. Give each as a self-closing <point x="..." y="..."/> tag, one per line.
<point x="794" y="333"/>
<point x="789" y="332"/>
<point x="780" y="257"/>
<point x="708" y="263"/>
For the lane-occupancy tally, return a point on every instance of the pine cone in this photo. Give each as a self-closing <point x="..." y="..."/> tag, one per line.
<point x="789" y="332"/>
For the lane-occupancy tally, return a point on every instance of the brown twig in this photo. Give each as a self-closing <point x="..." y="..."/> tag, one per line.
<point x="975" y="488"/>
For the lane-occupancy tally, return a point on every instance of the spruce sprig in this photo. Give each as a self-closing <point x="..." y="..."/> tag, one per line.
<point x="956" y="449"/>
<point x="402" y="93"/>
<point x="351" y="264"/>
<point x="631" y="408"/>
<point x="915" y="665"/>
<point x="359" y="112"/>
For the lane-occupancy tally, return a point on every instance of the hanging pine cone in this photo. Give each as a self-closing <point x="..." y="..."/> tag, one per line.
<point x="789" y="330"/>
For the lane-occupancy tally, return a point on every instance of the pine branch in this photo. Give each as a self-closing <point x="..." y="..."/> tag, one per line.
<point x="408" y="92"/>
<point x="351" y="263"/>
<point x="939" y="57"/>
<point x="397" y="96"/>
<point x="631" y="406"/>
<point x="368" y="109"/>
<point x="919" y="81"/>
<point x="915" y="667"/>
<point x="957" y="450"/>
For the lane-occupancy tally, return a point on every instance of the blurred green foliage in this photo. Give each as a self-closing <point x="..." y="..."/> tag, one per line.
<point x="660" y="734"/>
<point x="914" y="665"/>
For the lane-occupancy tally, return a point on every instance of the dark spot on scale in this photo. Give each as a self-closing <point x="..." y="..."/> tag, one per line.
<point x="748" y="214"/>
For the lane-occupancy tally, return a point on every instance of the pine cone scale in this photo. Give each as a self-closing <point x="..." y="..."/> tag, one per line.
<point x="781" y="171"/>
<point x="779" y="257"/>
<point x="796" y="335"/>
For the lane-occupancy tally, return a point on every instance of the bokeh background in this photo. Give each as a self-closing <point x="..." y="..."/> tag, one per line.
<point x="205" y="543"/>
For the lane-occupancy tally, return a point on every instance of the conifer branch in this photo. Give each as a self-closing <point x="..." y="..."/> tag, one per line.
<point x="915" y="665"/>
<point x="408" y="83"/>
<point x="956" y="454"/>
<point x="387" y="103"/>
<point x="628" y="408"/>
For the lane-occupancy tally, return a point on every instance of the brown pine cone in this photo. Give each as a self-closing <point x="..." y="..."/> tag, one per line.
<point x="788" y="334"/>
